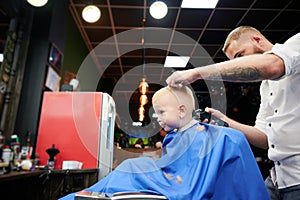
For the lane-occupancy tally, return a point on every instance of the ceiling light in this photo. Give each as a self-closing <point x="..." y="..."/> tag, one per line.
<point x="199" y="4"/>
<point x="158" y="10"/>
<point x="143" y="86"/>
<point x="37" y="3"/>
<point x="143" y="99"/>
<point x="141" y="113"/>
<point x="176" y="61"/>
<point x="91" y="13"/>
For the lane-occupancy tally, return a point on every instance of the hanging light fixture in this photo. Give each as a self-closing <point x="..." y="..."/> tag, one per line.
<point x="141" y="113"/>
<point x="141" y="110"/>
<point x="158" y="10"/>
<point x="143" y="99"/>
<point x="37" y="3"/>
<point x="143" y="87"/>
<point x="91" y="13"/>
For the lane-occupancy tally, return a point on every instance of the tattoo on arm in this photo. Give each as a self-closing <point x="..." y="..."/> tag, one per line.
<point x="238" y="74"/>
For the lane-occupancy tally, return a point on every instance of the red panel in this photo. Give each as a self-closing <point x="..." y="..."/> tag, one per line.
<point x="71" y="121"/>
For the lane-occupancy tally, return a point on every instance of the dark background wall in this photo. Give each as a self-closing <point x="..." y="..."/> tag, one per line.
<point x="40" y="27"/>
<point x="75" y="49"/>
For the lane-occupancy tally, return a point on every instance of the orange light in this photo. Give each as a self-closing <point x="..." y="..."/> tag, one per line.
<point x="141" y="110"/>
<point x="143" y="87"/>
<point x="143" y="99"/>
<point x="141" y="118"/>
<point x="141" y="113"/>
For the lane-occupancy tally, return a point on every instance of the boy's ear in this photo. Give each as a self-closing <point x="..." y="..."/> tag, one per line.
<point x="182" y="110"/>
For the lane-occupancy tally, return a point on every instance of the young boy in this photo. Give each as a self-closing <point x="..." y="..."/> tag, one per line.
<point x="199" y="161"/>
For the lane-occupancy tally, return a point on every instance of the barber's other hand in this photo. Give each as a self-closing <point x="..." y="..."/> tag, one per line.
<point x="216" y="114"/>
<point x="180" y="78"/>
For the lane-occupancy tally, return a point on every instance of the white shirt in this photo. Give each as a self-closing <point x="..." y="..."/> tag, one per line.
<point x="279" y="114"/>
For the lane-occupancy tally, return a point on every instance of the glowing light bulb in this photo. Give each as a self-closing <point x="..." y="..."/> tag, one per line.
<point x="143" y="99"/>
<point x="37" y="3"/>
<point x="91" y="14"/>
<point x="143" y="87"/>
<point x="158" y="10"/>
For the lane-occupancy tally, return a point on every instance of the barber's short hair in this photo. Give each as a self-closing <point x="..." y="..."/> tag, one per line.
<point x="236" y="33"/>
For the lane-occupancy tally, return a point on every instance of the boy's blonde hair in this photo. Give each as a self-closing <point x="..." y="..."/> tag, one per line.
<point x="183" y="95"/>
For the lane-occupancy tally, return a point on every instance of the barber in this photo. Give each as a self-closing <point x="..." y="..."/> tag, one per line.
<point x="254" y="58"/>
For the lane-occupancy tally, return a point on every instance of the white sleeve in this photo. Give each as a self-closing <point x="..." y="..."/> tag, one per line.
<point x="290" y="53"/>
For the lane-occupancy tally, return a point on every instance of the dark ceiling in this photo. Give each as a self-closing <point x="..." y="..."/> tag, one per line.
<point x="116" y="38"/>
<point x="208" y="28"/>
<point x="115" y="41"/>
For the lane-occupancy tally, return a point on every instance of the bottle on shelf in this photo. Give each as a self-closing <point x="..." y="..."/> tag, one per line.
<point x="26" y="150"/>
<point x="7" y="157"/>
<point x="15" y="147"/>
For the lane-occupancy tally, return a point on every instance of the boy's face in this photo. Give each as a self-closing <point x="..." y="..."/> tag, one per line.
<point x="168" y="113"/>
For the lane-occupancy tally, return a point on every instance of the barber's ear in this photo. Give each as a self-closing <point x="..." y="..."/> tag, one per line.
<point x="257" y="39"/>
<point x="182" y="110"/>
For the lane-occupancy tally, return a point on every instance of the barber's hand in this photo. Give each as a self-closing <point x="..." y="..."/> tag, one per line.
<point x="217" y="114"/>
<point x="180" y="78"/>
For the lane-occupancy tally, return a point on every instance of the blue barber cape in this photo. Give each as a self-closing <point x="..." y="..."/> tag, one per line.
<point x="202" y="162"/>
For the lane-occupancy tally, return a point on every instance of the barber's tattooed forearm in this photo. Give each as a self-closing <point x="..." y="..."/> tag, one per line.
<point x="238" y="74"/>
